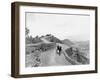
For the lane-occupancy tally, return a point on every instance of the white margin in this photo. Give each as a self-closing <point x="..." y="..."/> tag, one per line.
<point x="37" y="70"/>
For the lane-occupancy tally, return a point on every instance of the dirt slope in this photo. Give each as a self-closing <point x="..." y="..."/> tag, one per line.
<point x="51" y="58"/>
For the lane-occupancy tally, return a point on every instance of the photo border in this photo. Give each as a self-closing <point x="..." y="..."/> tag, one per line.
<point x="15" y="32"/>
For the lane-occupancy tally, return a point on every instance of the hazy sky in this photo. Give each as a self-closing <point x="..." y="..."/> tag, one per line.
<point x="75" y="27"/>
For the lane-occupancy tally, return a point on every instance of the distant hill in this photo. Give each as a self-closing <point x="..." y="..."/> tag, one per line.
<point x="31" y="40"/>
<point x="36" y="40"/>
<point x="67" y="42"/>
<point x="52" y="38"/>
<point x="83" y="44"/>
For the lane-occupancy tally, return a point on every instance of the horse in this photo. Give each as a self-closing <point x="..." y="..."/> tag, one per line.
<point x="58" y="50"/>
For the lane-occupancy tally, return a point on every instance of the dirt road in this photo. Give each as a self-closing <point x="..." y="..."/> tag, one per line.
<point x="51" y="58"/>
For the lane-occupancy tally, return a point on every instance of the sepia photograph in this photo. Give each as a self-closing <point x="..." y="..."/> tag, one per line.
<point x="57" y="39"/>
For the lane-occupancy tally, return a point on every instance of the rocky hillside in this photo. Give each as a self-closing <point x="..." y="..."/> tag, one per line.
<point x="67" y="42"/>
<point x="42" y="51"/>
<point x="52" y="38"/>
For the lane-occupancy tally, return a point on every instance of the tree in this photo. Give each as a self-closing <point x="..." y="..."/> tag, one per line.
<point x="28" y="38"/>
<point x="26" y="31"/>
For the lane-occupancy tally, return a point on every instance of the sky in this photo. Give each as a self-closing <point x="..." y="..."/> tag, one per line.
<point x="75" y="27"/>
